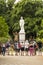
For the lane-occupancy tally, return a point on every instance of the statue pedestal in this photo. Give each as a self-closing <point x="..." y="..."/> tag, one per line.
<point x="21" y="36"/>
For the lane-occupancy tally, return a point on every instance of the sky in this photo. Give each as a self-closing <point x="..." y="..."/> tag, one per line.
<point x="17" y="1"/>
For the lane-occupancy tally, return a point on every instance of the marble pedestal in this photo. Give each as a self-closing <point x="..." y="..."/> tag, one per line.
<point x="21" y="36"/>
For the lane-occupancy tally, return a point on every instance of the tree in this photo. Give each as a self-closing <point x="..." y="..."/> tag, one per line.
<point x="2" y="8"/>
<point x="32" y="14"/>
<point x="5" y="11"/>
<point x="4" y="29"/>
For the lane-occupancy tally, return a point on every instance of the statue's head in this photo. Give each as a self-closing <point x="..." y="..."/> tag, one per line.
<point x="21" y="17"/>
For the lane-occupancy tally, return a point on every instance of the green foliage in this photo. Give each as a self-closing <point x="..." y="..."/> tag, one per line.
<point x="2" y="7"/>
<point x="10" y="4"/>
<point x="42" y="23"/>
<point x="3" y="30"/>
<point x="41" y="33"/>
<point x="32" y="12"/>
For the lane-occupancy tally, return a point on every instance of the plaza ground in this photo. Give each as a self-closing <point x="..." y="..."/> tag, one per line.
<point x="21" y="60"/>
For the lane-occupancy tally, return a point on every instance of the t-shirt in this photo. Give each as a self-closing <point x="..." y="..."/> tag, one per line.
<point x="26" y="45"/>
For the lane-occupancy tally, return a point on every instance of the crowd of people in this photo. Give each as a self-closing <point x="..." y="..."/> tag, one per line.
<point x="21" y="48"/>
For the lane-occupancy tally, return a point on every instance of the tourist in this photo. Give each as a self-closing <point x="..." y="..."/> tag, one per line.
<point x="3" y="49"/>
<point x="39" y="48"/>
<point x="19" y="48"/>
<point x="16" y="48"/>
<point x="35" y="46"/>
<point x="7" y="47"/>
<point x="11" y="49"/>
<point x="26" y="47"/>
<point x="31" y="49"/>
<point x="22" y="48"/>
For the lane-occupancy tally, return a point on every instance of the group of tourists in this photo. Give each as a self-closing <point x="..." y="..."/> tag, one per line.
<point x="28" y="48"/>
<point x="23" y="48"/>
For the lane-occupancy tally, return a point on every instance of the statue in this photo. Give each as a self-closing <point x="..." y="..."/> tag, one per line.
<point x="15" y="36"/>
<point x="22" y="24"/>
<point x="22" y="31"/>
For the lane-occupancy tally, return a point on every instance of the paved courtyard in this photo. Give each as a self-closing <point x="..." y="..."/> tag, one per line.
<point x="21" y="60"/>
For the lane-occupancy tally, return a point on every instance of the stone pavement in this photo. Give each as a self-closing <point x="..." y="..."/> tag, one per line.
<point x="21" y="60"/>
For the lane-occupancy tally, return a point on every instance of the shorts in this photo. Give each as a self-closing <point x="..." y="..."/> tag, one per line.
<point x="17" y="50"/>
<point x="26" y="49"/>
<point x="22" y="48"/>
